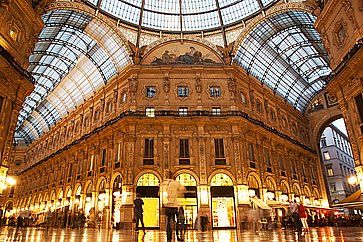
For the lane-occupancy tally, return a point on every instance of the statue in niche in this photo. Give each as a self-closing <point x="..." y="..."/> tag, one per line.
<point x="166" y="84"/>
<point x="198" y="84"/>
<point x="232" y="86"/>
<point x="252" y="97"/>
<point x="133" y="84"/>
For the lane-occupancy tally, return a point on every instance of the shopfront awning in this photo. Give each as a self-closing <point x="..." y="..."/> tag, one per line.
<point x="353" y="201"/>
<point x="260" y="203"/>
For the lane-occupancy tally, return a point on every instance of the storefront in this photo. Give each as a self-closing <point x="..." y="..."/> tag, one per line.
<point x="148" y="188"/>
<point x="189" y="201"/>
<point x="77" y="200"/>
<point x="116" y="201"/>
<point x="89" y="200"/>
<point x="223" y="202"/>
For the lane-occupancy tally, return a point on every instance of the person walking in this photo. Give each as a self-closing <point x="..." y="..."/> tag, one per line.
<point x="180" y="230"/>
<point x="303" y="217"/>
<point x="294" y="210"/>
<point x="138" y="211"/>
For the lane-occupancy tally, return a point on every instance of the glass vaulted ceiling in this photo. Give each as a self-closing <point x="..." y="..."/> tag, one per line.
<point x="286" y="53"/>
<point x="75" y="55"/>
<point x="182" y="15"/>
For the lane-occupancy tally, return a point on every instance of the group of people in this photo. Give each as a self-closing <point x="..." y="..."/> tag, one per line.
<point x="49" y="219"/>
<point x="299" y="216"/>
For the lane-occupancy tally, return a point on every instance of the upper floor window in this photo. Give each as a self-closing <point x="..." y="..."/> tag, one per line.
<point x="109" y="107"/>
<point x="183" y="111"/>
<point x="326" y="155"/>
<point x="103" y="160"/>
<point x="150" y="91"/>
<point x="1" y="103"/>
<point x="267" y="160"/>
<point x="259" y="106"/>
<point x="90" y="166"/>
<point x="323" y="142"/>
<point x="215" y="91"/>
<point x="282" y="167"/>
<point x="149" y="152"/>
<point x="216" y="111"/>
<point x="243" y="98"/>
<point x="118" y="155"/>
<point x="330" y="171"/>
<point x="123" y="97"/>
<point x="183" y="91"/>
<point x="150" y="112"/>
<point x="220" y="158"/>
<point x="184" y="158"/>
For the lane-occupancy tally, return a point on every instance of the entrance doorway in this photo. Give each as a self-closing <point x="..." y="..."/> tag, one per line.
<point x="148" y="188"/>
<point x="189" y="201"/>
<point x="223" y="202"/>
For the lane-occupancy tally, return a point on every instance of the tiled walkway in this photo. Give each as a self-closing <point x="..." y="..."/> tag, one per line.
<point x="94" y="235"/>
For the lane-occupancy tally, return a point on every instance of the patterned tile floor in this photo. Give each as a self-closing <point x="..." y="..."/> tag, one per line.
<point x="95" y="235"/>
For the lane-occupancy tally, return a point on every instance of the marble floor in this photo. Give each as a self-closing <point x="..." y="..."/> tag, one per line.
<point x="95" y="235"/>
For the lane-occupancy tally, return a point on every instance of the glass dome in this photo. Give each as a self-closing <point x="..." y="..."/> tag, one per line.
<point x="181" y="15"/>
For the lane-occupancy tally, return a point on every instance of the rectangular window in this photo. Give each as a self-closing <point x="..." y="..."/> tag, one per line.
<point x="150" y="112"/>
<point x="323" y="142"/>
<point x="359" y="104"/>
<point x="219" y="152"/>
<point x="150" y="91"/>
<point x="333" y="187"/>
<point x="184" y="158"/>
<point x="326" y="155"/>
<point x="330" y="171"/>
<point x="183" y="91"/>
<point x="243" y="98"/>
<point x="118" y="155"/>
<point x="251" y="155"/>
<point x="70" y="170"/>
<point x="216" y="111"/>
<point x="90" y="167"/>
<point x="267" y="160"/>
<point x="149" y="152"/>
<point x="103" y="161"/>
<point x="215" y="91"/>
<point x="1" y="103"/>
<point x="183" y="111"/>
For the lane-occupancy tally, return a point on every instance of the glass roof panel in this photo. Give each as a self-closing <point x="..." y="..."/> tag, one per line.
<point x="169" y="15"/>
<point x="239" y="11"/>
<point x="169" y="22"/>
<point x="198" y="6"/>
<point x="286" y="53"/>
<point x="122" y="10"/>
<point x="201" y="21"/>
<point x="70" y="62"/>
<point x="166" y="6"/>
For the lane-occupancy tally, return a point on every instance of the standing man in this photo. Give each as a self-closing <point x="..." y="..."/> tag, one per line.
<point x="294" y="210"/>
<point x="138" y="211"/>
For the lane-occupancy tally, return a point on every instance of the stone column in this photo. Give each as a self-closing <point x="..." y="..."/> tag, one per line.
<point x="243" y="201"/>
<point x="127" y="207"/>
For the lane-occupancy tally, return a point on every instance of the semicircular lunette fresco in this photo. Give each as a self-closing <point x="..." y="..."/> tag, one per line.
<point x="182" y="53"/>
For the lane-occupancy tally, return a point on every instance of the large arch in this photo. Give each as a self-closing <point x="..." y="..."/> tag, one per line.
<point x="286" y="53"/>
<point x="220" y="171"/>
<point x="63" y="79"/>
<point x="187" y="171"/>
<point x="280" y="8"/>
<point x="147" y="171"/>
